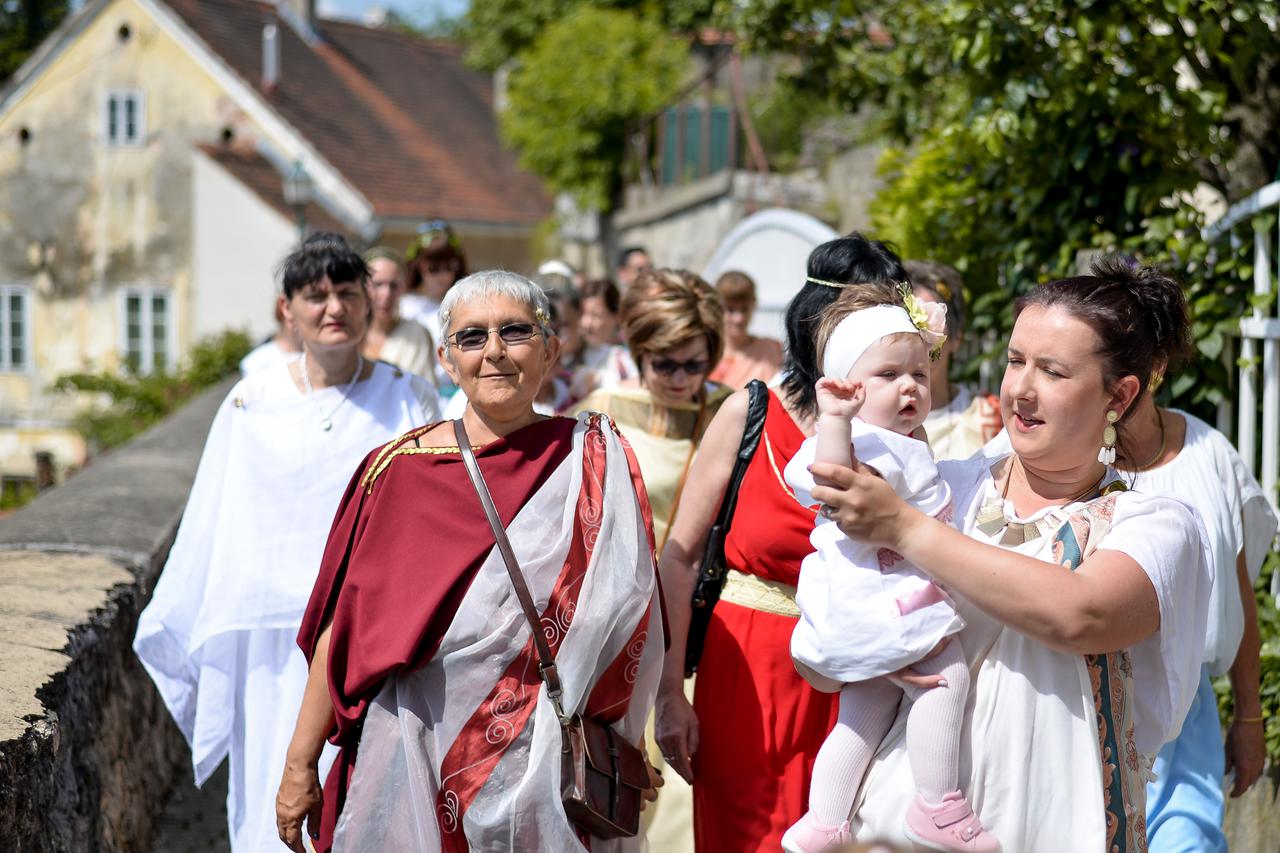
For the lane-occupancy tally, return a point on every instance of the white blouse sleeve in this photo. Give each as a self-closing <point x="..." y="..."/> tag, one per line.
<point x="1255" y="522"/>
<point x="1167" y="539"/>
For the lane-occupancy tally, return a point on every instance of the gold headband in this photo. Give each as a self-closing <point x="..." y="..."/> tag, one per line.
<point x="825" y="283"/>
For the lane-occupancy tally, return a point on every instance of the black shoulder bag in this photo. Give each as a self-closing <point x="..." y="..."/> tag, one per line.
<point x="712" y="570"/>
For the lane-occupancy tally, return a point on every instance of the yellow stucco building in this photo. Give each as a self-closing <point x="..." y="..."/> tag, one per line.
<point x="142" y="150"/>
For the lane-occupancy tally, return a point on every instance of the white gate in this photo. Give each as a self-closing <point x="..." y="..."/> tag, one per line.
<point x="1258" y="330"/>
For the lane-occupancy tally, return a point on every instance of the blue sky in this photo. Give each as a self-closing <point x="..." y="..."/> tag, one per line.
<point x="423" y="11"/>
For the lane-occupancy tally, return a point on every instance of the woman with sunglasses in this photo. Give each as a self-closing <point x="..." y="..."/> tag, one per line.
<point x="673" y="323"/>
<point x="422" y="669"/>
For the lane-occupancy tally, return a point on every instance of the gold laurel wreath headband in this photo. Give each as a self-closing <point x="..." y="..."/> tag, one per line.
<point x="841" y="285"/>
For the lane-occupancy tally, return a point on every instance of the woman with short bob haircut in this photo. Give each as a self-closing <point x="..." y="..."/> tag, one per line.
<point x="673" y="323"/>
<point x="423" y="668"/>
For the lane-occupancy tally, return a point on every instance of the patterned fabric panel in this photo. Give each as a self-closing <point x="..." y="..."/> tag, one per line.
<point x="1111" y="675"/>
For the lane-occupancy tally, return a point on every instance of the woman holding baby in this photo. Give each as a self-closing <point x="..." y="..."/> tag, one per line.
<point x="1046" y="622"/>
<point x="1083" y="603"/>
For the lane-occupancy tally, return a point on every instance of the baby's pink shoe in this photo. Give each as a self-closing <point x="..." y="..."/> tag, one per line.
<point x="806" y="836"/>
<point x="950" y="825"/>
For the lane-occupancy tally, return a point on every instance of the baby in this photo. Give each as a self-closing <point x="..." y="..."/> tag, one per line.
<point x="865" y="613"/>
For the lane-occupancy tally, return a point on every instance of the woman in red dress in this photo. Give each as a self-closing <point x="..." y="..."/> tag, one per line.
<point x="748" y="740"/>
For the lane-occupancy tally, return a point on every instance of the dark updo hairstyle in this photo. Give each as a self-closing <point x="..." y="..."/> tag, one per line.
<point x="845" y="261"/>
<point x="1138" y="313"/>
<point x="322" y="254"/>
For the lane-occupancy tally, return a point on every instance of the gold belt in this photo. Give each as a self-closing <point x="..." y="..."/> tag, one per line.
<point x="759" y="594"/>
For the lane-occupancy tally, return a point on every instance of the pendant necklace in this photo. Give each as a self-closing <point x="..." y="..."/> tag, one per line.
<point x="326" y="421"/>
<point x="992" y="520"/>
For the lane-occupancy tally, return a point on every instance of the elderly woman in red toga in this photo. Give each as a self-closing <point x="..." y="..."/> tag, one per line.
<point x="423" y="667"/>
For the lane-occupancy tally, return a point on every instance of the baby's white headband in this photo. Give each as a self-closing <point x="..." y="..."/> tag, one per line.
<point x="855" y="334"/>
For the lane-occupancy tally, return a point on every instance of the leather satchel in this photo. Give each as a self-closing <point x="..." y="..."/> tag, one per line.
<point x="712" y="571"/>
<point x="602" y="775"/>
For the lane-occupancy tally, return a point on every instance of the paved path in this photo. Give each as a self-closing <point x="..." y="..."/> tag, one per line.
<point x="194" y="819"/>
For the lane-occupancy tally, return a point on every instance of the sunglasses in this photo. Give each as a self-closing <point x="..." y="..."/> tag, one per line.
<point x="668" y="367"/>
<point x="474" y="338"/>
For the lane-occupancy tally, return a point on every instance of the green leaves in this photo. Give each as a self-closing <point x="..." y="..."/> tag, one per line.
<point x="579" y="89"/>
<point x="130" y="402"/>
<point x="23" y="25"/>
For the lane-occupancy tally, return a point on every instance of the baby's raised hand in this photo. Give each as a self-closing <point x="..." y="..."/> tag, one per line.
<point x="840" y="397"/>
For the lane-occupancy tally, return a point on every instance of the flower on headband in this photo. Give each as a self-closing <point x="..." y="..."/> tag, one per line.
<point x="929" y="317"/>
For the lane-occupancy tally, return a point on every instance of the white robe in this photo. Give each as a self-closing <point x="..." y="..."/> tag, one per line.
<point x="1209" y="475"/>
<point x="411" y="348"/>
<point x="1030" y="747"/>
<point x="219" y="636"/>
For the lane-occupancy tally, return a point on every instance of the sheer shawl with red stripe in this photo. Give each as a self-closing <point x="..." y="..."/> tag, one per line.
<point x="459" y="749"/>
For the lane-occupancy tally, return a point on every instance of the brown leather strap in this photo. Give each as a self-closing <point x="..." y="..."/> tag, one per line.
<point x="546" y="662"/>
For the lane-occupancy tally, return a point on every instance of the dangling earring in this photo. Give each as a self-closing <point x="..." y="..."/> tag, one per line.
<point x="1107" y="455"/>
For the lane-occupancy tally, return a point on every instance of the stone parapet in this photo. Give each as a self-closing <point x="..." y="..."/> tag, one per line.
<point x="87" y="749"/>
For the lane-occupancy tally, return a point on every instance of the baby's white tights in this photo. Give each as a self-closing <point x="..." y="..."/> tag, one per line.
<point x="867" y="710"/>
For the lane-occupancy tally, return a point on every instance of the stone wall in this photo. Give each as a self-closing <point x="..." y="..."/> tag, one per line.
<point x="87" y="749"/>
<point x="1252" y="823"/>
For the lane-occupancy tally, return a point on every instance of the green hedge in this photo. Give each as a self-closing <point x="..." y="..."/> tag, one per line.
<point x="133" y="402"/>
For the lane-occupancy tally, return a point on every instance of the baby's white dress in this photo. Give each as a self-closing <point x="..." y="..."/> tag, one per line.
<point x="865" y="611"/>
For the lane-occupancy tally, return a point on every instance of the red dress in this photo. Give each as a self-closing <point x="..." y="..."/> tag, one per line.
<point x="760" y="723"/>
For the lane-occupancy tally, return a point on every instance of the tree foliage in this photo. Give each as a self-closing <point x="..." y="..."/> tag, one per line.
<point x="498" y="31"/>
<point x="134" y="402"/>
<point x="23" y="25"/>
<point x="576" y="92"/>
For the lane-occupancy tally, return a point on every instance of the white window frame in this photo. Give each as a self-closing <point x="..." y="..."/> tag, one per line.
<point x="145" y="293"/>
<point x="6" y="360"/>
<point x="113" y="97"/>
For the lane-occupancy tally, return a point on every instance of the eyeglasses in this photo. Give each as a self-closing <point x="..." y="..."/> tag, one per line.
<point x="668" y="367"/>
<point x="475" y="338"/>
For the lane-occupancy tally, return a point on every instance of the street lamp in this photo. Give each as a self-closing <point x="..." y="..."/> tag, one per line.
<point x="299" y="191"/>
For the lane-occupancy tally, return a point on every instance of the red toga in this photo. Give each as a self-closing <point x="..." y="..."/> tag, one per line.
<point x="760" y="723"/>
<point x="400" y="557"/>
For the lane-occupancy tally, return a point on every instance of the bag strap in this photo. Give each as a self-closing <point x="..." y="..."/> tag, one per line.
<point x="757" y="409"/>
<point x="546" y="661"/>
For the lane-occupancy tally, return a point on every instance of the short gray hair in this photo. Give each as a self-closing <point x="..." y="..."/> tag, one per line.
<point x="488" y="284"/>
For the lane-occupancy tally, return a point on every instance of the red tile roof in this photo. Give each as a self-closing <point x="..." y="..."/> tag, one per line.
<point x="263" y="179"/>
<point x="403" y="120"/>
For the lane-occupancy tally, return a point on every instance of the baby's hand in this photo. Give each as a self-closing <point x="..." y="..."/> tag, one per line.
<point x="840" y="397"/>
